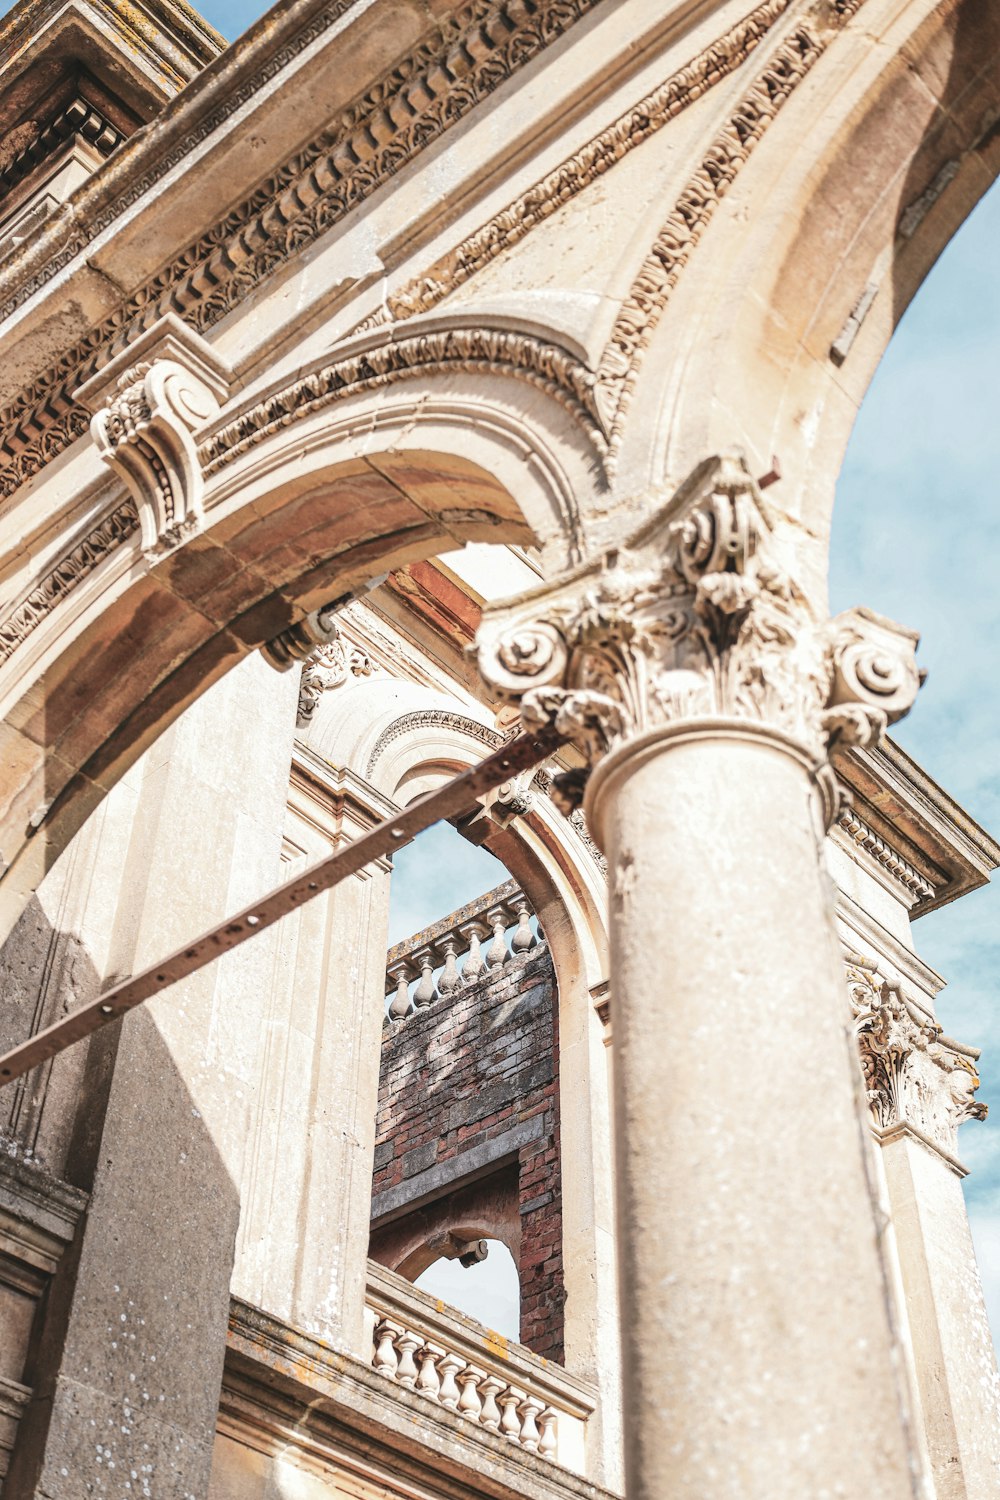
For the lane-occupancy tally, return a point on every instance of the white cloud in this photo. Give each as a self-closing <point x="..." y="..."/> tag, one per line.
<point x="439" y="872"/>
<point x="917" y="536"/>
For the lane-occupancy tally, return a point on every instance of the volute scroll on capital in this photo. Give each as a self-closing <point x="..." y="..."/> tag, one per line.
<point x="147" y="404"/>
<point x="698" y="615"/>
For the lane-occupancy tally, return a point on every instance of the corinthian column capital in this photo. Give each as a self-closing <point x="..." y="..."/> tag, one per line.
<point x="698" y="615"/>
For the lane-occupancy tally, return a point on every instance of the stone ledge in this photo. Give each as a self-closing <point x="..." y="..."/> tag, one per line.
<point x="38" y="1213"/>
<point x="463" y="1168"/>
<point x="391" y="1295"/>
<point x="285" y="1393"/>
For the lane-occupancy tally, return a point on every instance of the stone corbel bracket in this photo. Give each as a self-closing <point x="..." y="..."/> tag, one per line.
<point x="147" y="406"/>
<point x="699" y="615"/>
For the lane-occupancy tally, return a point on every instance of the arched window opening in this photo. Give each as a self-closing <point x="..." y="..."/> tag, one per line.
<point x="916" y="535"/>
<point x="467" y="1126"/>
<point x="488" y="1289"/>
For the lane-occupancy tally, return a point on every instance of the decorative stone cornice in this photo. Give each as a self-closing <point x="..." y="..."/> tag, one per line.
<point x="436" y="718"/>
<point x="457" y="65"/>
<point x="489" y="351"/>
<point x="914" y="1076"/>
<point x="545" y="197"/>
<point x="79" y="118"/>
<point x="697" y="615"/>
<point x="143" y="427"/>
<point x="906" y="875"/>
<point x="86" y="554"/>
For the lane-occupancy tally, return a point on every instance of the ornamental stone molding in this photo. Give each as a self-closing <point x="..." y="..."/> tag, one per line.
<point x="698" y="615"/>
<point x="915" y="1077"/>
<point x="145" y="417"/>
<point x="459" y="62"/>
<point x="329" y="666"/>
<point x="455" y="67"/>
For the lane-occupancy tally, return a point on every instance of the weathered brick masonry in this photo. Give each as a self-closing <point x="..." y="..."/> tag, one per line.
<point x="468" y="1135"/>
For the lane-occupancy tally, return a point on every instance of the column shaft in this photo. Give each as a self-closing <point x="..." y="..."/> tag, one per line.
<point x="760" y="1357"/>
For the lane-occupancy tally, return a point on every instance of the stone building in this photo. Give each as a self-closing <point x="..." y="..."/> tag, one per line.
<point x="414" y="384"/>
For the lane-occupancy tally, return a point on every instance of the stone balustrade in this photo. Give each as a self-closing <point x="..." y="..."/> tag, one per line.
<point x="411" y="965"/>
<point x="477" y="1374"/>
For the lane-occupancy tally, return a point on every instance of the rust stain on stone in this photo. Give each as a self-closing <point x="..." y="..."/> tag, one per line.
<point x="496" y="1344"/>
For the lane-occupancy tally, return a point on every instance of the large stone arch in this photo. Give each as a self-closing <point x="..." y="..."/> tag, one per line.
<point x="773" y="333"/>
<point x="106" y="647"/>
<point x="405" y="739"/>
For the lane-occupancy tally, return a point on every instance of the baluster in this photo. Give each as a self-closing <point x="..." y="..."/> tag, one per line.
<point x="496" y="954"/>
<point x="474" y="963"/>
<point x="449" y="1392"/>
<point x="548" y="1442"/>
<point x="425" y="994"/>
<point x="529" y="1409"/>
<point x="407" y="1344"/>
<point x="429" y="1381"/>
<point x="386" y="1359"/>
<point x="490" y="1389"/>
<point x="400" y="1007"/>
<point x="510" y="1422"/>
<point x="470" y="1403"/>
<point x="451" y="979"/>
<point x="524" y="939"/>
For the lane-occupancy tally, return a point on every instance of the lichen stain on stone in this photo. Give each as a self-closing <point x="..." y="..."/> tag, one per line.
<point x="495" y="1343"/>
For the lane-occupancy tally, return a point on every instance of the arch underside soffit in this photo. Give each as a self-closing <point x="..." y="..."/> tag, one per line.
<point x="471" y="394"/>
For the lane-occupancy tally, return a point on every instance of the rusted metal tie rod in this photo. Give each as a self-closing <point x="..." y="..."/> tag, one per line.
<point x="458" y="796"/>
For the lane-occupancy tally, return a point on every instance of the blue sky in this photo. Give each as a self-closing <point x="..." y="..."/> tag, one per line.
<point x="917" y="535"/>
<point x="230" y="16"/>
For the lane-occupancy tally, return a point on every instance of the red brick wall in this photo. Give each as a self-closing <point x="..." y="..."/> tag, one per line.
<point x="467" y="1134"/>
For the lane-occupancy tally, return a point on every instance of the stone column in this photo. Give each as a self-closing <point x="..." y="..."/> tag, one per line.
<point x="129" y="1365"/>
<point x="302" y="1251"/>
<point x="689" y="670"/>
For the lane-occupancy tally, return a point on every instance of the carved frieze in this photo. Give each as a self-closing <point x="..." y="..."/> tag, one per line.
<point x="545" y="197"/>
<point x="913" y="1074"/>
<point x="699" y="614"/>
<point x="69" y="572"/>
<point x="458" y="64"/>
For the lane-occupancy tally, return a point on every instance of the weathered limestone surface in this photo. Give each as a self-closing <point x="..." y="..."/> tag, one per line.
<point x="385" y="279"/>
<point x="303" y="1242"/>
<point x="131" y="1358"/>
<point x="697" y="681"/>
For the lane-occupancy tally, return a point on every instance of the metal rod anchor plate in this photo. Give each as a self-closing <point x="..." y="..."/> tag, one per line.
<point x="458" y="796"/>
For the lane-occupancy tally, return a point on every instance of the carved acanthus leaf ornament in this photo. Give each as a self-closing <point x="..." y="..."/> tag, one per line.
<point x="913" y="1075"/>
<point x="329" y="666"/>
<point x="699" y="614"/>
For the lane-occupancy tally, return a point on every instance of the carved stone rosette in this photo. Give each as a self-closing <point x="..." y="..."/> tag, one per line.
<point x="913" y="1075"/>
<point x="698" y="615"/>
